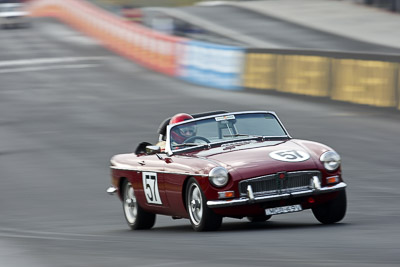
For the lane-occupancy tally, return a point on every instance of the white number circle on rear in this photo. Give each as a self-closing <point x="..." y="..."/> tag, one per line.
<point x="290" y="155"/>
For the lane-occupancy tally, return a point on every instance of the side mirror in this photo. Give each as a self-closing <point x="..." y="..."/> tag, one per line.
<point x="151" y="150"/>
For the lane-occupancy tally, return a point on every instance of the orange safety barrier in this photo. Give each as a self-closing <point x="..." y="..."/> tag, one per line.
<point x="149" y="48"/>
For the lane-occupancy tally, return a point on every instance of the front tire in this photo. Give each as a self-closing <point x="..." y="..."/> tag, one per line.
<point x="135" y="216"/>
<point x="201" y="217"/>
<point x="256" y="219"/>
<point x="332" y="211"/>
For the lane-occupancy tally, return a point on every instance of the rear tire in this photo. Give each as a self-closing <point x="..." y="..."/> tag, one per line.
<point x="201" y="216"/>
<point x="332" y="211"/>
<point x="135" y="216"/>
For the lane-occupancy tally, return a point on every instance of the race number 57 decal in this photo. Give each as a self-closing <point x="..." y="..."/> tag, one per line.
<point x="290" y="155"/>
<point x="150" y="186"/>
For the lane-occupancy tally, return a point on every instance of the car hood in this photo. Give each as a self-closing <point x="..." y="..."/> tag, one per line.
<point x="252" y="158"/>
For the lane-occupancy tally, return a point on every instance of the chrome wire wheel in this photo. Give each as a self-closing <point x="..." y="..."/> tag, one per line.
<point x="201" y="216"/>
<point x="130" y="204"/>
<point x="136" y="217"/>
<point x="195" y="204"/>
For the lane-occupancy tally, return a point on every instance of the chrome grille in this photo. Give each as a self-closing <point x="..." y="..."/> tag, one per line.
<point x="279" y="183"/>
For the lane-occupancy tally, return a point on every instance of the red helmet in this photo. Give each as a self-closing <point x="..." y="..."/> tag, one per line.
<point x="180" y="117"/>
<point x="180" y="135"/>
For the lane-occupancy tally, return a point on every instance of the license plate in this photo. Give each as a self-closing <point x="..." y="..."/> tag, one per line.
<point x="284" y="209"/>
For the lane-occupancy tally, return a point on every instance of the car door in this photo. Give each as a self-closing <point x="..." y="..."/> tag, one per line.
<point x="150" y="181"/>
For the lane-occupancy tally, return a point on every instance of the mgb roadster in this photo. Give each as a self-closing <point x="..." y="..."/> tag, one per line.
<point x="219" y="164"/>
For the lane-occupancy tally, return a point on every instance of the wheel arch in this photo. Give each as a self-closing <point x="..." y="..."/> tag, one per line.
<point x="120" y="184"/>
<point x="185" y="183"/>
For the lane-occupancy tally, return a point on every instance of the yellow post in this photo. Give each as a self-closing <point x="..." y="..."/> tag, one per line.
<point x="306" y="75"/>
<point x="260" y="71"/>
<point x="365" y="82"/>
<point x="398" y="86"/>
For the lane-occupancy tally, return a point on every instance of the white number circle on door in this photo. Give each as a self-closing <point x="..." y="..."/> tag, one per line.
<point x="290" y="155"/>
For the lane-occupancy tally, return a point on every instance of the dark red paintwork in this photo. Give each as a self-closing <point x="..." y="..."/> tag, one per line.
<point x="243" y="161"/>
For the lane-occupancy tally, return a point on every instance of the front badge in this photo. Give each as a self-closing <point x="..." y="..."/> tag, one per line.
<point x="290" y="155"/>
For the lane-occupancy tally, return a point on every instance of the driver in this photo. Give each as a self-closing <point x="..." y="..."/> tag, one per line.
<point x="182" y="133"/>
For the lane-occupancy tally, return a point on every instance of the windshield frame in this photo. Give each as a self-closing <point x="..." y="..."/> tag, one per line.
<point x="169" y="151"/>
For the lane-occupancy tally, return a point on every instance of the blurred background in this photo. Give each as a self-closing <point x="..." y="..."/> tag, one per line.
<point x="392" y="5"/>
<point x="81" y="81"/>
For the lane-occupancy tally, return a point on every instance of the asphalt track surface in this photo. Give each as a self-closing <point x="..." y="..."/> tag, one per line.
<point x="280" y="33"/>
<point x="67" y="105"/>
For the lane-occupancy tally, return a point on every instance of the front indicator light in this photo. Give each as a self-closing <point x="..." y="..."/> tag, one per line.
<point x="332" y="179"/>
<point x="226" y="194"/>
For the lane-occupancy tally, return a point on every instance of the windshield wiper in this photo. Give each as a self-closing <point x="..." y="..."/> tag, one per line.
<point x="260" y="137"/>
<point x="235" y="135"/>
<point x="273" y="138"/>
<point x="190" y="144"/>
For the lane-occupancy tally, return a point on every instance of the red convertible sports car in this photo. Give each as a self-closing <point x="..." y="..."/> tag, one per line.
<point x="220" y="164"/>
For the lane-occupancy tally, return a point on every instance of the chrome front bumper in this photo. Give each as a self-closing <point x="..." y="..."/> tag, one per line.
<point x="251" y="199"/>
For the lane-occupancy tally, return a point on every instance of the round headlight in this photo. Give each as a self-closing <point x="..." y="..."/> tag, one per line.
<point x="218" y="176"/>
<point x="331" y="160"/>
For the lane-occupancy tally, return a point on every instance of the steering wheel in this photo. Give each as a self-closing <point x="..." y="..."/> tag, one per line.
<point x="191" y="139"/>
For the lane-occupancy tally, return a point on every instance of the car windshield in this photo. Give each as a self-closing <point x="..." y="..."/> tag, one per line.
<point x="225" y="128"/>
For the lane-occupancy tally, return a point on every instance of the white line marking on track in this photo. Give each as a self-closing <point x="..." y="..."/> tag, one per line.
<point x="38" y="61"/>
<point x="29" y="69"/>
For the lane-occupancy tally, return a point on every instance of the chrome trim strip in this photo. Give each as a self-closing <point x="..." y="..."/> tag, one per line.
<point x="247" y="200"/>
<point x="139" y="170"/>
<point x="316" y="184"/>
<point x="250" y="193"/>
